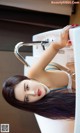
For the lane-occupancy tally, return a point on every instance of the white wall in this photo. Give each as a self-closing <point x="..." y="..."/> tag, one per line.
<point x="40" y="5"/>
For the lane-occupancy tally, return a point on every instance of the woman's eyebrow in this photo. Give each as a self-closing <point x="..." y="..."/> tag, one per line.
<point x="24" y="87"/>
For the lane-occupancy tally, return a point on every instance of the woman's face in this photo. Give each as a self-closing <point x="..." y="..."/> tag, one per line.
<point x="29" y="91"/>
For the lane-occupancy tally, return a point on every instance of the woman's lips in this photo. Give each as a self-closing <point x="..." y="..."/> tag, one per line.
<point x="39" y="92"/>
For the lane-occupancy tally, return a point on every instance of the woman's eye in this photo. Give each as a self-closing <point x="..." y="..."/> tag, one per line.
<point x="27" y="87"/>
<point x="26" y="99"/>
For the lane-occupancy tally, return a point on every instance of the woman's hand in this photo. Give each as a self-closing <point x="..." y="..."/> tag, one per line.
<point x="64" y="38"/>
<point x="37" y="71"/>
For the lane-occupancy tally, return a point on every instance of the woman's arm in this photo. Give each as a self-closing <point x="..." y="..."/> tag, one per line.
<point x="50" y="53"/>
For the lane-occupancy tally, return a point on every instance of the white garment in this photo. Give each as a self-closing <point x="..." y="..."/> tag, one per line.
<point x="69" y="86"/>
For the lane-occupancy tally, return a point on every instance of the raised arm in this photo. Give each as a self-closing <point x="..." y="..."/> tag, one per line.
<point x="50" y="52"/>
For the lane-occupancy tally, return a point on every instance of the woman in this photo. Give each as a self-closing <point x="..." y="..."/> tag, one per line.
<point x="47" y="91"/>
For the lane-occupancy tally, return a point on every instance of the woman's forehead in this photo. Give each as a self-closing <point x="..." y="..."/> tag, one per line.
<point x="19" y="91"/>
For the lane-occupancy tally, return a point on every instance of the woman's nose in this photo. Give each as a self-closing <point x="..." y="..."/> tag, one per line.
<point x="31" y="92"/>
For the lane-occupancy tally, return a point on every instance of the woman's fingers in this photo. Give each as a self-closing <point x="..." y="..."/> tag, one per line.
<point x="66" y="28"/>
<point x="74" y="25"/>
<point x="65" y="35"/>
<point x="69" y="43"/>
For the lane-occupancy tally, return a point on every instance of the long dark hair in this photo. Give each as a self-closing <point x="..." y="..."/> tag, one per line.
<point x="55" y="105"/>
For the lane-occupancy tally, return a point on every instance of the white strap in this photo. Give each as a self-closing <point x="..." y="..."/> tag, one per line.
<point x="69" y="86"/>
